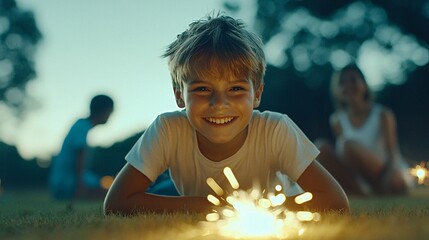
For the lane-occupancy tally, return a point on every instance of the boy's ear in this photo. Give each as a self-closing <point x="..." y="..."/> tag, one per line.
<point x="258" y="95"/>
<point x="179" y="97"/>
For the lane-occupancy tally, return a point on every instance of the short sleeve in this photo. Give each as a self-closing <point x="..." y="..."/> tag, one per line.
<point x="293" y="150"/>
<point x="148" y="153"/>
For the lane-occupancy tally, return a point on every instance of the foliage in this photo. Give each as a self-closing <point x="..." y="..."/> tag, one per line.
<point x="18" y="172"/>
<point x="19" y="36"/>
<point x="15" y="171"/>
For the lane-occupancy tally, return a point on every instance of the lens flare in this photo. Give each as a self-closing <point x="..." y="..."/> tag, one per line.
<point x="421" y="172"/>
<point x="254" y="213"/>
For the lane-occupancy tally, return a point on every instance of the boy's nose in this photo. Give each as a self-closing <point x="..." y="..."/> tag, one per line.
<point x="219" y="100"/>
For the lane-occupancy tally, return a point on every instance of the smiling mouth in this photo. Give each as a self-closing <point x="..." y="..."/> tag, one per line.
<point x="219" y="121"/>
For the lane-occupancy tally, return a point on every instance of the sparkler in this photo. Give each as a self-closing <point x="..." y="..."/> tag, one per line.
<point x="250" y="213"/>
<point x="421" y="172"/>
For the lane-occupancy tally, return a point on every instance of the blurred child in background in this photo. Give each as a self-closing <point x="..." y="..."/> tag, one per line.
<point x="366" y="158"/>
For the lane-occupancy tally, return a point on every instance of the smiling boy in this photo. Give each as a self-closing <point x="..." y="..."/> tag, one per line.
<point x="217" y="68"/>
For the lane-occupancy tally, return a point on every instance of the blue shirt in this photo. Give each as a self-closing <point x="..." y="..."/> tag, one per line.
<point x="63" y="174"/>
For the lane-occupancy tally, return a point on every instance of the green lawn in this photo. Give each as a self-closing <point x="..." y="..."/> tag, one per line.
<point x="32" y="214"/>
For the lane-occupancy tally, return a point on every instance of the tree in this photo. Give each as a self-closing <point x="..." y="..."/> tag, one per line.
<point x="19" y="36"/>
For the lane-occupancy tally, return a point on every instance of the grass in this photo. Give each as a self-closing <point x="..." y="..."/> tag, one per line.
<point x="32" y="214"/>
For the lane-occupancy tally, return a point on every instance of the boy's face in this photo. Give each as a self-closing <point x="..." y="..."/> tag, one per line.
<point x="219" y="109"/>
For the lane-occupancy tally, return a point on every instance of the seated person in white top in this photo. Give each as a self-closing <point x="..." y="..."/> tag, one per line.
<point x="366" y="158"/>
<point x="217" y="69"/>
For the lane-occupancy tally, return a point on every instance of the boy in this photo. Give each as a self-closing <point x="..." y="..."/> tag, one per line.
<point x="217" y="69"/>
<point x="69" y="177"/>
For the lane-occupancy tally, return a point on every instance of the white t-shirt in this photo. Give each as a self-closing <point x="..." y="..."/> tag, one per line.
<point x="274" y="147"/>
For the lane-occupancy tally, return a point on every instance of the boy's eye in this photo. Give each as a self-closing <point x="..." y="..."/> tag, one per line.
<point x="201" y="89"/>
<point x="237" y="88"/>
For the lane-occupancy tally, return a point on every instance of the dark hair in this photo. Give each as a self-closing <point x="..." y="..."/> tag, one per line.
<point x="100" y="104"/>
<point x="336" y="82"/>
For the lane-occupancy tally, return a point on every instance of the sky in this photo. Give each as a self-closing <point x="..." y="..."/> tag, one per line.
<point x="96" y="46"/>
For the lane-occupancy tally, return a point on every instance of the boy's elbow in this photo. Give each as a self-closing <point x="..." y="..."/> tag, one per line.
<point x="121" y="208"/>
<point x="110" y="209"/>
<point x="113" y="207"/>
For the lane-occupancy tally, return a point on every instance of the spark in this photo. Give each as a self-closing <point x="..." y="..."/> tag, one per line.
<point x="212" y="217"/>
<point x="254" y="213"/>
<point x="213" y="200"/>
<point x="213" y="185"/>
<point x="305" y="197"/>
<point x="421" y="172"/>
<point x="231" y="178"/>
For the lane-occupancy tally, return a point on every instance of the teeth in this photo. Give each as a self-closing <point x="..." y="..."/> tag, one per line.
<point x="220" y="120"/>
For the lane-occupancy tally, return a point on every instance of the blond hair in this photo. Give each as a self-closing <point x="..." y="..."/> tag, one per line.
<point x="218" y="46"/>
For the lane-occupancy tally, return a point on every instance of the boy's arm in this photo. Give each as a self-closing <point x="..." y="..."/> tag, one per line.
<point x="127" y="195"/>
<point x="327" y="193"/>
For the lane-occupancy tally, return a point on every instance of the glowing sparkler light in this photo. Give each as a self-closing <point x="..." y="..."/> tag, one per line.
<point x="212" y="217"/>
<point x="264" y="203"/>
<point x="251" y="214"/>
<point x="213" y="200"/>
<point x="231" y="178"/>
<point x="305" y="197"/>
<point x="305" y="216"/>
<point x="213" y="185"/>
<point x="228" y="213"/>
<point x="420" y="172"/>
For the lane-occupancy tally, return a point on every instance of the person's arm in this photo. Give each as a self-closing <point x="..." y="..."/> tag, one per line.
<point x="388" y="131"/>
<point x="388" y="126"/>
<point x="127" y="195"/>
<point x="327" y="193"/>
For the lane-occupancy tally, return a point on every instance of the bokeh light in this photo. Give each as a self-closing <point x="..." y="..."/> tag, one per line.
<point x="106" y="182"/>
